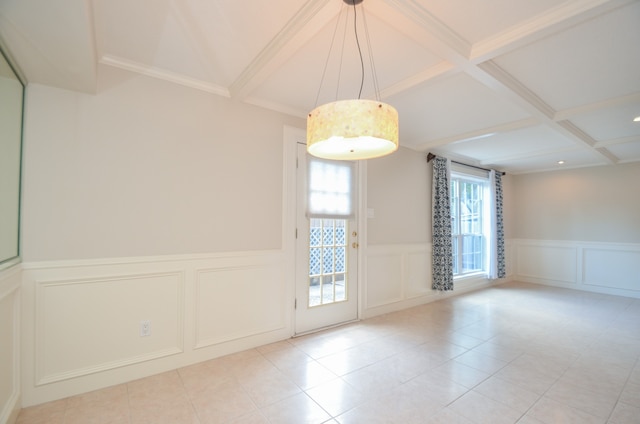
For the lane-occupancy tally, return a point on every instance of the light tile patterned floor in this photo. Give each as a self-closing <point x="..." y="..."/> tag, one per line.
<point x="516" y="353"/>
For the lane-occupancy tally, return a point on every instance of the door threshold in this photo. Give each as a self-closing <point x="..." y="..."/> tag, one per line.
<point x="328" y="327"/>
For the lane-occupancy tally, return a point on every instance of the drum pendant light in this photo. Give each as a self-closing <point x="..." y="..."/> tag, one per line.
<point x="353" y="129"/>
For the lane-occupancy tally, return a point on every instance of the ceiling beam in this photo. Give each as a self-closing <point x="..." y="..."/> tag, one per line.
<point x="197" y="39"/>
<point x="554" y="20"/>
<point x="535" y="105"/>
<point x="163" y="74"/>
<point x="447" y="40"/>
<point x="303" y="26"/>
<point x="617" y="141"/>
<point x="592" y="107"/>
<point x="477" y="134"/>
<point x="528" y="155"/>
<point x="443" y="68"/>
<point x="577" y="134"/>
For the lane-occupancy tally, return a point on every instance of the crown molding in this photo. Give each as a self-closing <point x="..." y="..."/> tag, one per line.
<point x="163" y="74"/>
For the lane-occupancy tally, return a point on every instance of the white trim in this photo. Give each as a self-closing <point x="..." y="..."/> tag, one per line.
<point x="10" y="263"/>
<point x="292" y="136"/>
<point x="80" y="263"/>
<point x="164" y="75"/>
<point x="9" y="411"/>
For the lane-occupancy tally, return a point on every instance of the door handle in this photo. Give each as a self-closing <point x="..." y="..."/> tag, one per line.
<point x="354" y="245"/>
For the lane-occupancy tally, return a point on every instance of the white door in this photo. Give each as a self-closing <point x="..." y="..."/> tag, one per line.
<point x="326" y="243"/>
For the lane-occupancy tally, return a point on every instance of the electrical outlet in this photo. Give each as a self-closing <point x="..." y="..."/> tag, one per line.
<point x="145" y="328"/>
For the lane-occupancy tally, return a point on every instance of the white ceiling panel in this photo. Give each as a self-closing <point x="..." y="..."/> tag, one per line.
<point x="630" y="152"/>
<point x="577" y="158"/>
<point x="518" y="84"/>
<point x="610" y="123"/>
<point x="233" y="33"/>
<point x="337" y="74"/>
<point x="53" y="42"/>
<point x="591" y="62"/>
<point x="462" y="15"/>
<point x="450" y="107"/>
<point x="502" y="147"/>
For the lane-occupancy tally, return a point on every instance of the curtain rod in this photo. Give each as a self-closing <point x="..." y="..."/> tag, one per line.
<point x="431" y="156"/>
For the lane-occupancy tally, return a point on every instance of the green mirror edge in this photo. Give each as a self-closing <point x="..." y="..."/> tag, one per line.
<point x="6" y="263"/>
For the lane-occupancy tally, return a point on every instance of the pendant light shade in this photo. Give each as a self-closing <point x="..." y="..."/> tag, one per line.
<point x="352" y="130"/>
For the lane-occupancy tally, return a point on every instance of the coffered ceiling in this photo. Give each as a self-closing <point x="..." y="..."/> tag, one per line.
<point x="516" y="85"/>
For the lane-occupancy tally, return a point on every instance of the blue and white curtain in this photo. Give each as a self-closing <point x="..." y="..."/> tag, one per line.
<point x="442" y="258"/>
<point x="497" y="268"/>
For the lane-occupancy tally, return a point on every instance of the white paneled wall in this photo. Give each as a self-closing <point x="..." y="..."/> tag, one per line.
<point x="82" y="319"/>
<point x="91" y="324"/>
<point x="10" y="343"/>
<point x="398" y="276"/>
<point x="599" y="267"/>
<point x="262" y="291"/>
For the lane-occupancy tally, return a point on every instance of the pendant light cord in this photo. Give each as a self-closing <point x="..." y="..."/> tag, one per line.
<point x="326" y="62"/>
<point x="355" y="30"/>
<point x="374" y="75"/>
<point x="376" y="87"/>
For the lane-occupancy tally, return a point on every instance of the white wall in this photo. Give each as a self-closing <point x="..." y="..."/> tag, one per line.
<point x="598" y="204"/>
<point x="398" y="262"/>
<point x="579" y="228"/>
<point x="148" y="201"/>
<point x="148" y="168"/>
<point x="399" y="193"/>
<point x="10" y="280"/>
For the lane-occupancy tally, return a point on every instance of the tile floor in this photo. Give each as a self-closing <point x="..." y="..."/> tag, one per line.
<point x="516" y="353"/>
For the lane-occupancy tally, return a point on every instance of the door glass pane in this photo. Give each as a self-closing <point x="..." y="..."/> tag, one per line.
<point x="330" y="188"/>
<point x="327" y="261"/>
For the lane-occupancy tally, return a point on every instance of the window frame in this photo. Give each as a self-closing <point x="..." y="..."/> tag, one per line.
<point x="480" y="178"/>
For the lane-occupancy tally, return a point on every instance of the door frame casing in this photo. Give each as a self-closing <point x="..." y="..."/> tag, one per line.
<point x="293" y="136"/>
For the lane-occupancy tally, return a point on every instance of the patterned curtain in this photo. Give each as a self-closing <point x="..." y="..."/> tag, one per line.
<point x="442" y="260"/>
<point x="497" y="268"/>
<point x="499" y="234"/>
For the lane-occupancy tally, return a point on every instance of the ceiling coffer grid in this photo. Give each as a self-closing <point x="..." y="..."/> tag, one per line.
<point x="516" y="85"/>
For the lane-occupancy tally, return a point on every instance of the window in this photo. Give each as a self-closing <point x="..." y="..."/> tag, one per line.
<point x="469" y="222"/>
<point x="330" y="206"/>
<point x="330" y="189"/>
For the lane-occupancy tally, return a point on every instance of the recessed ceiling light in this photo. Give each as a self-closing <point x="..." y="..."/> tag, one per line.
<point x="560" y="162"/>
<point x="636" y="119"/>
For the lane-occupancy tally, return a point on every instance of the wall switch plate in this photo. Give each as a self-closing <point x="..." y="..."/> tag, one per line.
<point x="145" y="328"/>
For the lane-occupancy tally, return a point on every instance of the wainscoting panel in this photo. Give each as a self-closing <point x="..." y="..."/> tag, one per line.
<point x="610" y="268"/>
<point x="385" y="275"/>
<point x="81" y="320"/>
<point x="548" y="261"/>
<point x="238" y="302"/>
<point x="418" y="266"/>
<point x="9" y="343"/>
<point x="90" y="325"/>
<point x="398" y="276"/>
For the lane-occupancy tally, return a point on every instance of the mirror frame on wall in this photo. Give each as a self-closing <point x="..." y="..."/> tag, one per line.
<point x="11" y="142"/>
